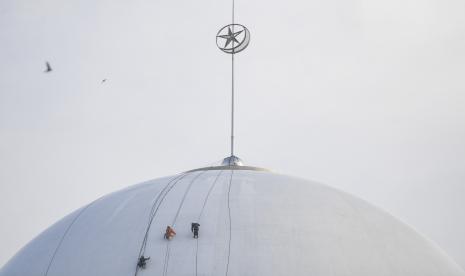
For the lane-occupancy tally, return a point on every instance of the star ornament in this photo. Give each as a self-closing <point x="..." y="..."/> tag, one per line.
<point x="230" y="41"/>
<point x="230" y="37"/>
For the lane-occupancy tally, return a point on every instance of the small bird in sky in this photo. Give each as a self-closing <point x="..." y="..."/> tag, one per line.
<point x="104" y="80"/>
<point x="49" y="68"/>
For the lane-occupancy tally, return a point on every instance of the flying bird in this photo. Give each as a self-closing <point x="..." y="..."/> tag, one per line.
<point x="104" y="80"/>
<point x="49" y="68"/>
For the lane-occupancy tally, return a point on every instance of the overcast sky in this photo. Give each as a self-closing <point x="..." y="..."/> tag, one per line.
<point x="364" y="95"/>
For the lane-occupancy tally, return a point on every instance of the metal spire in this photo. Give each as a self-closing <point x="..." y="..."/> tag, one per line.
<point x="232" y="85"/>
<point x="232" y="42"/>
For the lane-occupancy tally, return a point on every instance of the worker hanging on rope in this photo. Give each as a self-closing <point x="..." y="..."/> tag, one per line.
<point x="169" y="234"/>
<point x="142" y="261"/>
<point x="195" y="229"/>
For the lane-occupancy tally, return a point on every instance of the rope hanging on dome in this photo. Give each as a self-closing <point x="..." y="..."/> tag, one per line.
<point x="230" y="221"/>
<point x="200" y="216"/>
<point x="168" y="247"/>
<point x="153" y="212"/>
<point x="65" y="233"/>
<point x="208" y="195"/>
<point x="184" y="197"/>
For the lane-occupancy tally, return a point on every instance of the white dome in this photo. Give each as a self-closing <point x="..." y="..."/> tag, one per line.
<point x="252" y="222"/>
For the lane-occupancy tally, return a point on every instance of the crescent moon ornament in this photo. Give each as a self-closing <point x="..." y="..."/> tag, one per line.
<point x="233" y="38"/>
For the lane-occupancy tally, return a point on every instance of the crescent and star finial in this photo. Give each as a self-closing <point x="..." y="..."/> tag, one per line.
<point x="233" y="38"/>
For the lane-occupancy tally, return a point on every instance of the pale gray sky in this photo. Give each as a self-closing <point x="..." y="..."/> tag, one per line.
<point x="367" y="96"/>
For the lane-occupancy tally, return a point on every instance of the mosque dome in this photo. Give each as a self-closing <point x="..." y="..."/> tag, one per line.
<point x="252" y="222"/>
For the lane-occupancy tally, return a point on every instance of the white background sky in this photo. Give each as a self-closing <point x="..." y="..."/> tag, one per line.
<point x="364" y="95"/>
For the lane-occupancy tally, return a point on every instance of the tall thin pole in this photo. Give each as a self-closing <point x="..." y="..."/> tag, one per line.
<point x="232" y="104"/>
<point x="232" y="86"/>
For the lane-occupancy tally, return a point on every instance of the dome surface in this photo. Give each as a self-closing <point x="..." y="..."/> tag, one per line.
<point x="252" y="222"/>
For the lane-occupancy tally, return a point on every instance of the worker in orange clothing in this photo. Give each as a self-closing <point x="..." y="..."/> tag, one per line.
<point x="170" y="233"/>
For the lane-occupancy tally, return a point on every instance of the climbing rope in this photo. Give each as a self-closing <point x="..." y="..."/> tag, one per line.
<point x="184" y="197"/>
<point x="155" y="206"/>
<point x="168" y="247"/>
<point x="200" y="216"/>
<point x="63" y="237"/>
<point x="208" y="195"/>
<point x="67" y="230"/>
<point x="230" y="228"/>
<point x="165" y="263"/>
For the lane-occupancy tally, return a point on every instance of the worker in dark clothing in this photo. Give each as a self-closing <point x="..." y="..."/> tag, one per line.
<point x="195" y="229"/>
<point x="142" y="261"/>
